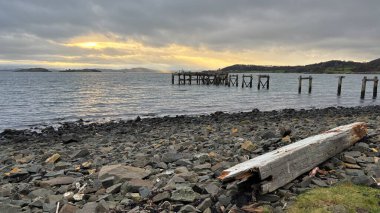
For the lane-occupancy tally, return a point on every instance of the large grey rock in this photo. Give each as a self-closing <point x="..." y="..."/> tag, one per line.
<point x="185" y="194"/>
<point x="81" y="153"/>
<point x="206" y="203"/>
<point x="121" y="172"/>
<point x="57" y="181"/>
<point x="161" y="196"/>
<point x="40" y="193"/>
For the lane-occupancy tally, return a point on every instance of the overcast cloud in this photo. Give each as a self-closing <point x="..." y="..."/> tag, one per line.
<point x="220" y="31"/>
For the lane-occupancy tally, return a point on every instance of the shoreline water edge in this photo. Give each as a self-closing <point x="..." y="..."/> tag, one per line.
<point x="172" y="163"/>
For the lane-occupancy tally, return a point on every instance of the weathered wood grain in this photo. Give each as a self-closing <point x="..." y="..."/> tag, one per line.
<point x="279" y="167"/>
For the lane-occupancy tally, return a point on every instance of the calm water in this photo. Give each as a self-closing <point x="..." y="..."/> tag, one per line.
<point x="29" y="99"/>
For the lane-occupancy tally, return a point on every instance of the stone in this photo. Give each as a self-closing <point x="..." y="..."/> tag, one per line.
<point x="145" y="192"/>
<point x="171" y="157"/>
<point x="286" y="139"/>
<point x="34" y="168"/>
<point x="93" y="207"/>
<point x="268" y="135"/>
<point x="80" y="154"/>
<point x="319" y="182"/>
<point x="53" y="158"/>
<point x="185" y="194"/>
<point x="40" y="193"/>
<point x="269" y="197"/>
<point x="62" y="165"/>
<point x="69" y="138"/>
<point x="212" y="189"/>
<point x="122" y="172"/>
<point x="161" y="196"/>
<point x="126" y="202"/>
<point x="9" y="208"/>
<point x="362" y="180"/>
<point x="206" y="203"/>
<point x="202" y="167"/>
<point x="114" y="189"/>
<point x="68" y="208"/>
<point x="54" y="199"/>
<point x="57" y="181"/>
<point x="187" y="209"/>
<point x="16" y="172"/>
<point x="348" y="159"/>
<point x="49" y="207"/>
<point x="353" y="154"/>
<point x="6" y="190"/>
<point x="134" y="185"/>
<point x="107" y="182"/>
<point x="352" y="166"/>
<point x="224" y="200"/>
<point x="354" y="172"/>
<point x="248" y="146"/>
<point x="305" y="182"/>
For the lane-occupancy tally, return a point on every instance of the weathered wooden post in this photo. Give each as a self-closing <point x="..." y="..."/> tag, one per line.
<point x="172" y="78"/>
<point x="375" y="83"/>
<point x="250" y="81"/>
<point x="258" y="83"/>
<point x="340" y="79"/>
<point x="299" y="84"/>
<point x="179" y="78"/>
<point x="310" y="82"/>
<point x="237" y="80"/>
<point x="190" y="79"/>
<point x="364" y="84"/>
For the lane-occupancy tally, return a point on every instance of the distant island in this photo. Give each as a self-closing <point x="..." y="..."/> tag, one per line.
<point x="81" y="70"/>
<point x="33" y="70"/>
<point x="328" y="67"/>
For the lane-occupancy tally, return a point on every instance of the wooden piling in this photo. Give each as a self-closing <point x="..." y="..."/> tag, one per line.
<point x="340" y="79"/>
<point x="260" y="83"/>
<point x="310" y="78"/>
<point x="172" y="78"/>
<point x="299" y="84"/>
<point x="310" y="83"/>
<point x="375" y="83"/>
<point x="364" y="84"/>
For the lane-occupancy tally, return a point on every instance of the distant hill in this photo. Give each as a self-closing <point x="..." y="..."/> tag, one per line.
<point x="33" y="70"/>
<point x="81" y="70"/>
<point x="334" y="66"/>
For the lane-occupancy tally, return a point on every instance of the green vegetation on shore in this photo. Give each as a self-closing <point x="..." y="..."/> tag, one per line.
<point x="340" y="198"/>
<point x="328" y="67"/>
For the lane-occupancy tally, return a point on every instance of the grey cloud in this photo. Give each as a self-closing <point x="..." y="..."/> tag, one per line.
<point x="217" y="24"/>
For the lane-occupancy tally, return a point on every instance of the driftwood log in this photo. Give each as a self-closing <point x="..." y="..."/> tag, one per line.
<point x="279" y="167"/>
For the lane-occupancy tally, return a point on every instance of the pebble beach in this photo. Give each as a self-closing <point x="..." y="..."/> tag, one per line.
<point x="171" y="164"/>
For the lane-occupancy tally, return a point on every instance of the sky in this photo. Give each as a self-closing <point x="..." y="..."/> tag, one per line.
<point x="184" y="34"/>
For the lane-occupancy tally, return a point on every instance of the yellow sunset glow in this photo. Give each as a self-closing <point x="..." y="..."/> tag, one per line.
<point x="112" y="51"/>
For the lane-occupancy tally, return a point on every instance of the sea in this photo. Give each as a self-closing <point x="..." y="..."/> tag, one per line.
<point x="35" y="100"/>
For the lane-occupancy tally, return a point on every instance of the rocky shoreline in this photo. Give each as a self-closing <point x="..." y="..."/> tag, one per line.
<point x="171" y="163"/>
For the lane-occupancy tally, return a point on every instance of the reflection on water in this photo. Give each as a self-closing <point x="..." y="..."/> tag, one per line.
<point x="38" y="98"/>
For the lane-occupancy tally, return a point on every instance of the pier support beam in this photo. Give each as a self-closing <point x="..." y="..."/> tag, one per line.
<point x="279" y="167"/>
<point x="364" y="85"/>
<point x="340" y="80"/>
<point x="263" y="84"/>
<point x="310" y="78"/>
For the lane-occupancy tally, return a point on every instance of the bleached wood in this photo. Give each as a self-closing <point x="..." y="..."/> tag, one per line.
<point x="279" y="167"/>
